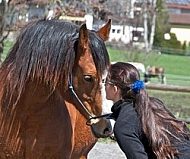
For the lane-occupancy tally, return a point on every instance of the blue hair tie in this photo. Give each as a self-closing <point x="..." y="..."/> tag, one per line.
<point x="137" y="86"/>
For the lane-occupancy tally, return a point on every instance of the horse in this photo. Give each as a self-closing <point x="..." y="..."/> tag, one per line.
<point x="155" y="72"/>
<point x="139" y="66"/>
<point x="50" y="88"/>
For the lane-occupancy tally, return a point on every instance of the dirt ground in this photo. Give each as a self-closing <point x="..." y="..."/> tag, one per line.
<point x="104" y="150"/>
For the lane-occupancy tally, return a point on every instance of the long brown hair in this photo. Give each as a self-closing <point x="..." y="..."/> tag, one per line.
<point x="155" y="118"/>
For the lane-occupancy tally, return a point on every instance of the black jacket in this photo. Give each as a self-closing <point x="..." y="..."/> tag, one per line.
<point x="131" y="138"/>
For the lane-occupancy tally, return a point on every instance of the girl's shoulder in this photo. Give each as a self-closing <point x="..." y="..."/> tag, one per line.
<point x="128" y="120"/>
<point x="128" y="112"/>
<point x="128" y="107"/>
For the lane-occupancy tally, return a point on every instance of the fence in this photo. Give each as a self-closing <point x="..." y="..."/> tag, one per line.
<point x="178" y="80"/>
<point x="175" y="51"/>
<point x="171" y="88"/>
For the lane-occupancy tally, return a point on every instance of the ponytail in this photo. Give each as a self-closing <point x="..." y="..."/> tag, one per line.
<point x="156" y="120"/>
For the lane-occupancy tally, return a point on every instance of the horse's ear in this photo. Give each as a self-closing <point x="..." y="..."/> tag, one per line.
<point x="105" y="31"/>
<point x="83" y="36"/>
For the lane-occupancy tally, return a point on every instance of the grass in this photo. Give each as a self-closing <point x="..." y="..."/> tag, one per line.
<point x="176" y="102"/>
<point x="6" y="49"/>
<point x="176" y="67"/>
<point x="173" y="64"/>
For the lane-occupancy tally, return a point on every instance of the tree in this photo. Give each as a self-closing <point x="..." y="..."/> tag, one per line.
<point x="8" y="11"/>
<point x="3" y="9"/>
<point x="163" y="27"/>
<point x="184" y="46"/>
<point x="162" y="24"/>
<point x="150" y="11"/>
<point x="154" y="4"/>
<point x="145" y="18"/>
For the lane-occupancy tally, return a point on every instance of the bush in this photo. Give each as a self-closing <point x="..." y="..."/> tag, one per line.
<point x="184" y="46"/>
<point x="173" y="43"/>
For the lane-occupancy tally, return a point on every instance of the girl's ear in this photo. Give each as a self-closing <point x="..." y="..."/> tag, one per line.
<point x="116" y="89"/>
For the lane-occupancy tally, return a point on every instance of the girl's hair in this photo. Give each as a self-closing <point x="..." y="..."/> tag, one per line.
<point x="155" y="118"/>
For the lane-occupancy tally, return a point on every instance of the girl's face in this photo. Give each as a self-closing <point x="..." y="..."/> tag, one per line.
<point x="112" y="92"/>
<point x="109" y="88"/>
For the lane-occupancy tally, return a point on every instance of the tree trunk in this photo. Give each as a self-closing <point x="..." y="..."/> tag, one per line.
<point x="145" y="25"/>
<point x="153" y="23"/>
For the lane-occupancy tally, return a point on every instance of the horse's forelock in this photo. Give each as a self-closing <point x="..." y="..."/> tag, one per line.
<point x="99" y="53"/>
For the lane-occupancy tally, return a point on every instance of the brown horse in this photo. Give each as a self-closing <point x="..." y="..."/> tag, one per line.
<point x="155" y="72"/>
<point x="50" y="85"/>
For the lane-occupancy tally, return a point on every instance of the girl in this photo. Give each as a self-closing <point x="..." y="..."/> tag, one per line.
<point x="144" y="128"/>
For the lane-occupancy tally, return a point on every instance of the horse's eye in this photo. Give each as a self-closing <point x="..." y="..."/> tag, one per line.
<point x="88" y="78"/>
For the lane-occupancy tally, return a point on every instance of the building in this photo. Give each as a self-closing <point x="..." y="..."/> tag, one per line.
<point x="179" y="11"/>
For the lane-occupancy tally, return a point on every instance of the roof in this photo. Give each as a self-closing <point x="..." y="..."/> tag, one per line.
<point x="179" y="19"/>
<point x="183" y="4"/>
<point x="178" y="2"/>
<point x="178" y="6"/>
<point x="176" y="18"/>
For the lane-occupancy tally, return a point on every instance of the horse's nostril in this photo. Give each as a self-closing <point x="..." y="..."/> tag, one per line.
<point x="107" y="131"/>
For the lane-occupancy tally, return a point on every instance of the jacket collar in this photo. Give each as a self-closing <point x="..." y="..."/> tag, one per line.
<point x="116" y="109"/>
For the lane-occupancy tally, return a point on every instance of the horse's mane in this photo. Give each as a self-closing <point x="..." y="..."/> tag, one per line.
<point x="44" y="52"/>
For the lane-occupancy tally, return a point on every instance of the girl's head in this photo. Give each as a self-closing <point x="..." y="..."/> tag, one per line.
<point x="123" y="75"/>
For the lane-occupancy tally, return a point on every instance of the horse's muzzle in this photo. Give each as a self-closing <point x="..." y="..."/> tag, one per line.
<point x="102" y="129"/>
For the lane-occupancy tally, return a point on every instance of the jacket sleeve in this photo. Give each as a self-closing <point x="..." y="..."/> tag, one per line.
<point x="127" y="133"/>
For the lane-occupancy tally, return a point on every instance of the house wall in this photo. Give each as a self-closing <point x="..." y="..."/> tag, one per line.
<point x="182" y="34"/>
<point x="121" y="33"/>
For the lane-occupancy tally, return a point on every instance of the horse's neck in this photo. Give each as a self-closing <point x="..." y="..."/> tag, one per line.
<point x="39" y="120"/>
<point x="44" y="119"/>
<point x="15" y="119"/>
<point x="83" y="140"/>
<point x="34" y="96"/>
<point x="52" y="109"/>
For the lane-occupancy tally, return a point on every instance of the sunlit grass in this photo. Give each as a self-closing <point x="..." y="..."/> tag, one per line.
<point x="173" y="64"/>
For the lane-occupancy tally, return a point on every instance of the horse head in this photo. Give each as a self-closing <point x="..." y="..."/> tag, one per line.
<point x="85" y="80"/>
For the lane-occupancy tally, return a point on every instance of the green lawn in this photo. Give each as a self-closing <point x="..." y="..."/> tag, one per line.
<point x="176" y="67"/>
<point x="173" y="64"/>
